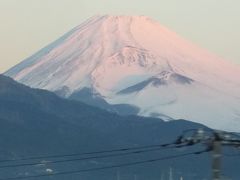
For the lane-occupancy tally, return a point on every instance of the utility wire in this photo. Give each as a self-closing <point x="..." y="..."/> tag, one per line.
<point x="106" y="167"/>
<point x="85" y="158"/>
<point x="90" y="153"/>
<point x="85" y="153"/>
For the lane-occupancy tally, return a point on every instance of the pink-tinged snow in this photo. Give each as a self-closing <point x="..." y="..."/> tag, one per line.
<point x="195" y="101"/>
<point x="112" y="53"/>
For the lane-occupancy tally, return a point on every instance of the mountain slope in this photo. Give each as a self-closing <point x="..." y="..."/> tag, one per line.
<point x="36" y="122"/>
<point x="164" y="75"/>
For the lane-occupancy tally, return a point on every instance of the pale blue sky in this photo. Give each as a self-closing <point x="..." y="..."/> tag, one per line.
<point x="28" y="25"/>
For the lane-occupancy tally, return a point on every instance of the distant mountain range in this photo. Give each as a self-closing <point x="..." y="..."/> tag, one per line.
<point x="133" y="65"/>
<point x="36" y="122"/>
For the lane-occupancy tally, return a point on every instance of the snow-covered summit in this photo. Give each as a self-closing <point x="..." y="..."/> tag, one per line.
<point x="135" y="60"/>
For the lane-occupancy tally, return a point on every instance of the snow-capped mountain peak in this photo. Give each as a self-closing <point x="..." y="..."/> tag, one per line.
<point x="135" y="60"/>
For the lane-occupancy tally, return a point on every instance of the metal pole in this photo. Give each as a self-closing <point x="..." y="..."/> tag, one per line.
<point x="216" y="157"/>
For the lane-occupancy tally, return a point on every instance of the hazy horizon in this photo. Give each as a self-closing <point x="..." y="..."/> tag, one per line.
<point x="31" y="25"/>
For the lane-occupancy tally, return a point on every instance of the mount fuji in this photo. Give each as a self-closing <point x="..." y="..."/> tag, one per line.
<point x="136" y="61"/>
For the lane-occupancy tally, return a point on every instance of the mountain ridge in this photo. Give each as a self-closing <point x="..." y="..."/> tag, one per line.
<point x="108" y="54"/>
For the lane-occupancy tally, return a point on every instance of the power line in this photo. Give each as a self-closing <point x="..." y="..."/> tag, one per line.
<point x="85" y="153"/>
<point x="214" y="141"/>
<point x="85" y="158"/>
<point x="106" y="167"/>
<point x="93" y="152"/>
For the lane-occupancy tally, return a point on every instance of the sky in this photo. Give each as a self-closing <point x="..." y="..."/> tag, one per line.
<point x="29" y="25"/>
